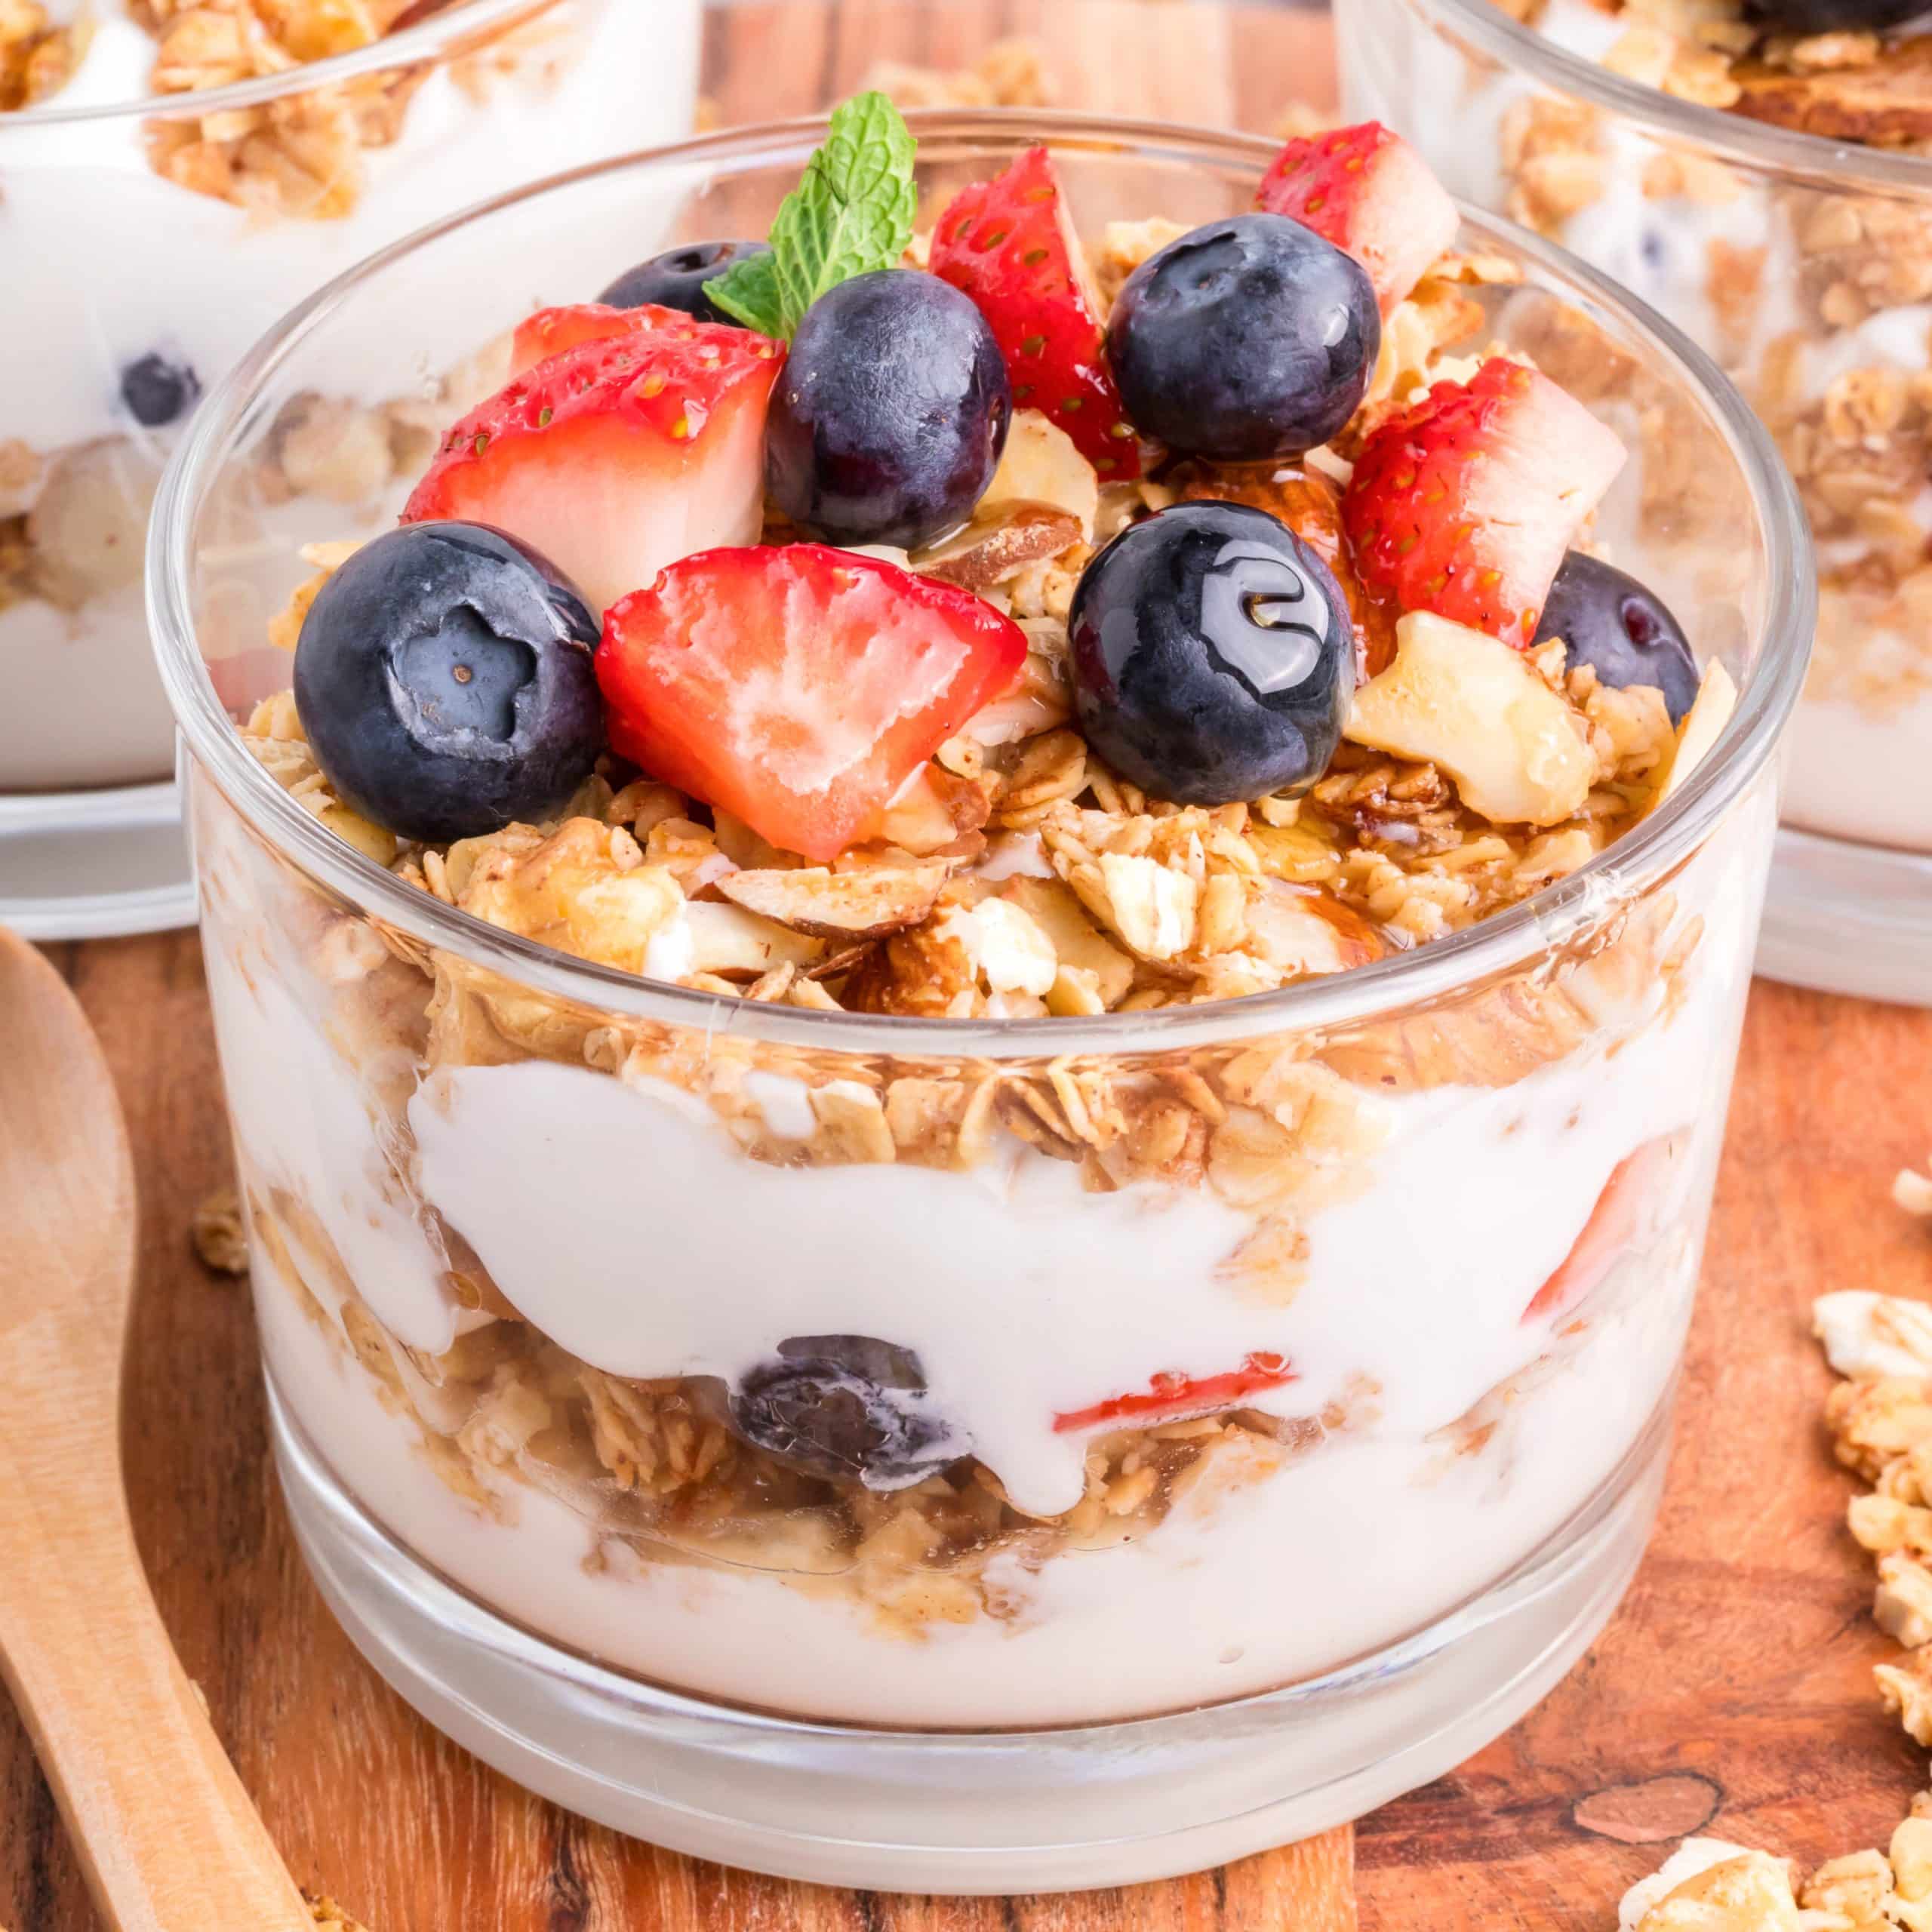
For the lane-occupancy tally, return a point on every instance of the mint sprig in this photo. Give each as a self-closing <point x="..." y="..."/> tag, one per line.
<point x="851" y="214"/>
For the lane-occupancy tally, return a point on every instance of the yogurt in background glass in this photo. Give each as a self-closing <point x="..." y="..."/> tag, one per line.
<point x="147" y="239"/>
<point x="524" y="1230"/>
<point x="1804" y="268"/>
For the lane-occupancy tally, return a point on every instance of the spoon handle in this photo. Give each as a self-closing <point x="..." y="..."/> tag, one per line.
<point x="166" y="1835"/>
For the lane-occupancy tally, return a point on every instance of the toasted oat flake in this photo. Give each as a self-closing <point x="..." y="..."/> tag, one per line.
<point x="219" y="1235"/>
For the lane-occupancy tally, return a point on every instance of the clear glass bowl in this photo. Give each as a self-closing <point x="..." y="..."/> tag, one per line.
<point x="146" y="241"/>
<point x="1804" y="268"/>
<point x="541" y="1248"/>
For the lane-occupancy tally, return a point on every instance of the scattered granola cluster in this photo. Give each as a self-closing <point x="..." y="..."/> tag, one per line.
<point x="1880" y="1419"/>
<point x="1710" y="1885"/>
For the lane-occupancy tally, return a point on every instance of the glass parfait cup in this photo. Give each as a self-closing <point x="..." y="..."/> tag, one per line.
<point x="1803" y="266"/>
<point x="146" y="239"/>
<point x="972" y="1455"/>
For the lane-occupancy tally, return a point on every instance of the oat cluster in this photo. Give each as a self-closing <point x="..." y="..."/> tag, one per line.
<point x="299" y="156"/>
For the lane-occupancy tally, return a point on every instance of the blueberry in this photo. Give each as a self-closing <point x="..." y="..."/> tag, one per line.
<point x="1837" y="16"/>
<point x="888" y="422"/>
<point x="444" y="677"/>
<point x="1246" y="339"/>
<point x="1213" y="656"/>
<point x="676" y="279"/>
<point x="846" y="1406"/>
<point x="1621" y="630"/>
<point x="157" y="391"/>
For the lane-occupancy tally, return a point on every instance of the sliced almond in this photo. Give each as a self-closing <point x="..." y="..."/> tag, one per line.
<point x="1041" y="464"/>
<point x="1462" y="700"/>
<point x="996" y="546"/>
<point x="1703" y="725"/>
<point x="847" y="906"/>
<point x="735" y="944"/>
<point x="1089" y="962"/>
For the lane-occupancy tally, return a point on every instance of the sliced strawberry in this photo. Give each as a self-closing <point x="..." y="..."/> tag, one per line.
<point x="1369" y="192"/>
<point x="550" y="332"/>
<point x="1009" y="245"/>
<point x="617" y="455"/>
<point x="1169" y="1398"/>
<point x="1464" y="504"/>
<point x="1615" y="1222"/>
<point x="798" y="687"/>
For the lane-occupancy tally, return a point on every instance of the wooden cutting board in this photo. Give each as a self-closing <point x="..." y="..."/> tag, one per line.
<point x="1732" y="1692"/>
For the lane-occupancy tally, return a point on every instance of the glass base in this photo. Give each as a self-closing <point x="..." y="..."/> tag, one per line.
<point x="969" y="1812"/>
<point x="95" y="864"/>
<point x="1847" y="919"/>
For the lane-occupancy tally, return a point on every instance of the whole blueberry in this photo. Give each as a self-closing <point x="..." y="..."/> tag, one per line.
<point x="844" y="1405"/>
<point x="888" y="420"/>
<point x="157" y="391"/>
<point x="1213" y="656"/>
<point x="1837" y="16"/>
<point x="1249" y="339"/>
<point x="445" y="677"/>
<point x="1621" y="630"/>
<point x="676" y="279"/>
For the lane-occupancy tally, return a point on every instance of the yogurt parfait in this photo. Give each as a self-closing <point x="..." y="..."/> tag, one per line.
<point x="1757" y="173"/>
<point x="173" y="177"/>
<point x="976" y="1001"/>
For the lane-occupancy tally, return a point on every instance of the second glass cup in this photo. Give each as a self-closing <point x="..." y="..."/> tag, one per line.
<point x="157" y="212"/>
<point x="1804" y="268"/>
<point x="779" y="1432"/>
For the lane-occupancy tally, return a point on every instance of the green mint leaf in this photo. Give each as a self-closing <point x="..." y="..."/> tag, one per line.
<point x="749" y="291"/>
<point x="851" y="214"/>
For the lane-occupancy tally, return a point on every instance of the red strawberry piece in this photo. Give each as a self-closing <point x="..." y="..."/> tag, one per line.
<point x="617" y="455"/>
<point x="550" y="332"/>
<point x="1466" y="504"/>
<point x="1615" y="1223"/>
<point x="1369" y="192"/>
<point x="1009" y="245"/>
<point x="1170" y="1397"/>
<point x="798" y="687"/>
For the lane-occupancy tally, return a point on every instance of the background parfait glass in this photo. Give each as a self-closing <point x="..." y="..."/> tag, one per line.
<point x="1803" y="266"/>
<point x="146" y="238"/>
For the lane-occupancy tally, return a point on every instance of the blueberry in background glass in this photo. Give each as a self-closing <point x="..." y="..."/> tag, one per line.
<point x="1808" y="17"/>
<point x="445" y="677"/>
<point x="889" y="416"/>
<point x="1245" y="339"/>
<point x="1213" y="656"/>
<point x="676" y="279"/>
<point x="1621" y="629"/>
<point x="157" y="391"/>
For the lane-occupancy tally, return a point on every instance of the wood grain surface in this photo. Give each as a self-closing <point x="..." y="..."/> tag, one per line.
<point x="1732" y="1691"/>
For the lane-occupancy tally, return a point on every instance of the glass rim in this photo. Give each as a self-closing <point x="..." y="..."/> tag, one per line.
<point x="1516" y="937"/>
<point x="427" y="41"/>
<point x="1846" y="166"/>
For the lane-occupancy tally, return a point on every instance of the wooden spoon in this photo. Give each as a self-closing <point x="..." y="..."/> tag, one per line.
<point x="166" y="1835"/>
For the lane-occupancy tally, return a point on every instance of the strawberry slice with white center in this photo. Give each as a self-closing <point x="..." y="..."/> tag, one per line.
<point x="1009" y="245"/>
<point x="617" y="455"/>
<point x="1628" y="1200"/>
<point x="1466" y="504"/>
<point x="798" y="687"/>
<point x="1369" y="192"/>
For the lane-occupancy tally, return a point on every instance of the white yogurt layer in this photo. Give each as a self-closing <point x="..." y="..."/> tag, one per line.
<point x="629" y="1226"/>
<point x="1858" y="772"/>
<point x="103" y="261"/>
